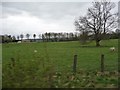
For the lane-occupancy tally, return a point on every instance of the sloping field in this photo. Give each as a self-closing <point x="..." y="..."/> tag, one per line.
<point x="34" y="64"/>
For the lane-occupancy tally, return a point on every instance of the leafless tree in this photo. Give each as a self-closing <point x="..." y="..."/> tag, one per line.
<point x="34" y="35"/>
<point x="99" y="20"/>
<point x="18" y="37"/>
<point x="49" y="36"/>
<point x="27" y="36"/>
<point x="39" y="36"/>
<point x="43" y="37"/>
<point x="21" y="36"/>
<point x="13" y="38"/>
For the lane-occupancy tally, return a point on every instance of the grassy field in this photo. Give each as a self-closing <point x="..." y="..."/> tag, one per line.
<point x="51" y="65"/>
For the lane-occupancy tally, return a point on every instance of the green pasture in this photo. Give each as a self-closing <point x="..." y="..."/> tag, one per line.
<point x="34" y="69"/>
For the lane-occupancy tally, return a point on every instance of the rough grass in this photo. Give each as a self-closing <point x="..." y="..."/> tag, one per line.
<point x="39" y="69"/>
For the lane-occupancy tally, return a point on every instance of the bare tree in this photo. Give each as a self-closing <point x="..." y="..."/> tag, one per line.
<point x="13" y="38"/>
<point x="18" y="37"/>
<point x="71" y="36"/>
<point x="39" y="36"/>
<point x="81" y="25"/>
<point x="34" y="35"/>
<point x="43" y="37"/>
<point x="59" y="36"/>
<point x="67" y="34"/>
<point x="49" y="35"/>
<point x="99" y="20"/>
<point x="108" y="19"/>
<point x="27" y="36"/>
<point x="21" y="36"/>
<point x="55" y="36"/>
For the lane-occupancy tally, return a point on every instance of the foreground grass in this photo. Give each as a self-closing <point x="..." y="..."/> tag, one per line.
<point x="22" y="67"/>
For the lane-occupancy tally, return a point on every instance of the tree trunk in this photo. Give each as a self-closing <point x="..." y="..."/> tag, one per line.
<point x="34" y="39"/>
<point x="97" y="43"/>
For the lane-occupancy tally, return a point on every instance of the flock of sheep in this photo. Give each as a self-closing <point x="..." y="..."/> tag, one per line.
<point x="112" y="49"/>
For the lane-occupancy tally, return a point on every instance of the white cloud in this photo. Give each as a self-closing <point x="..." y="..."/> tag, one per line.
<point x="53" y="0"/>
<point x="25" y="23"/>
<point x="40" y="17"/>
<point x="29" y="17"/>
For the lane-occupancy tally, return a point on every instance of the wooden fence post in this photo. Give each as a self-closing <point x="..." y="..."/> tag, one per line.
<point x="102" y="62"/>
<point x="74" y="63"/>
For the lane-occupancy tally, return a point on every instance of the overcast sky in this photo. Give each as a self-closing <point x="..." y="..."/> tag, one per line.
<point x="40" y="17"/>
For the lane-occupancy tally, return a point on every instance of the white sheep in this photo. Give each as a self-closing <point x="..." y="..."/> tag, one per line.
<point x="19" y="42"/>
<point x="35" y="51"/>
<point x="112" y="49"/>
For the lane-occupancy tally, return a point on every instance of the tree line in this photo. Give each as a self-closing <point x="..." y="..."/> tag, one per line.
<point x="55" y="37"/>
<point x="51" y="36"/>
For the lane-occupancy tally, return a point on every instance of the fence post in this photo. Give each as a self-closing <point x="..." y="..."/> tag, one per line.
<point x="13" y="62"/>
<point x="74" y="63"/>
<point x="102" y="62"/>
